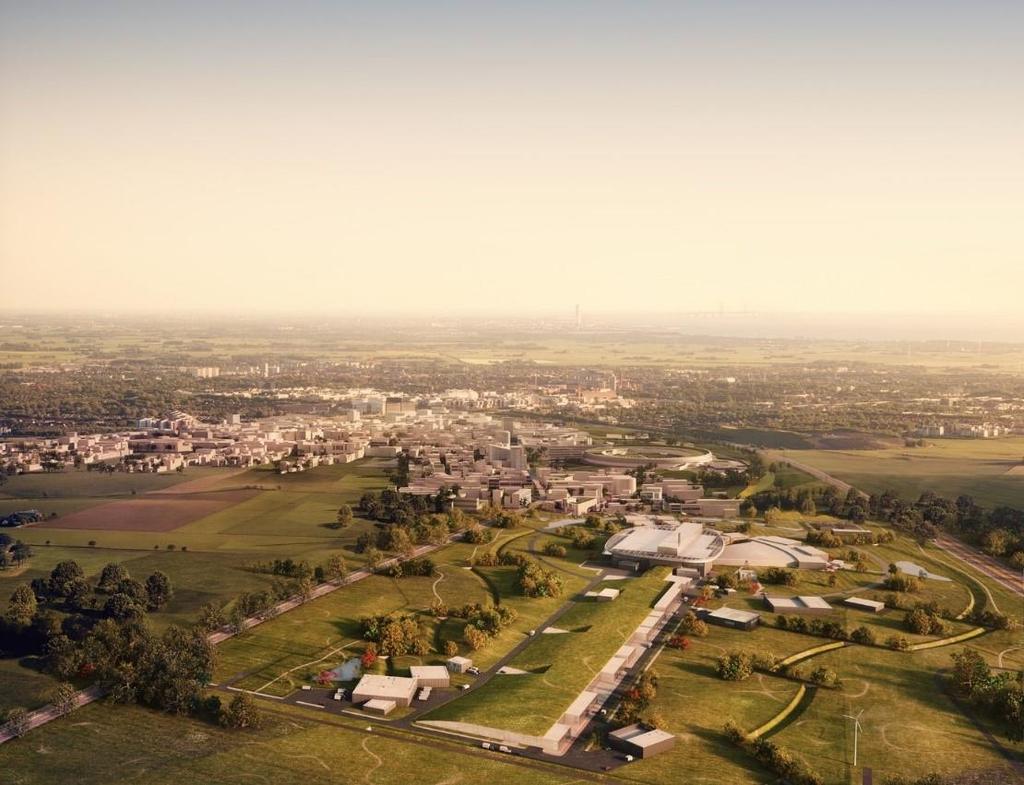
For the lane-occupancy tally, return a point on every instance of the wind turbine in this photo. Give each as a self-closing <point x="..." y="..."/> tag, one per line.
<point x="856" y="732"/>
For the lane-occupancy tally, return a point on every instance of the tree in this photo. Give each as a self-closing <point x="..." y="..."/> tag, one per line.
<point x="174" y="669"/>
<point x="344" y="515"/>
<point x="969" y="671"/>
<point x="369" y="656"/>
<point x="64" y="698"/>
<point x="158" y="590"/>
<point x="475" y="637"/>
<point x="863" y="635"/>
<point x="336" y="567"/>
<point x="691" y="625"/>
<point x="374" y="558"/>
<point x="451" y="649"/>
<point x="122" y="606"/>
<point x="67" y="583"/>
<point x="111" y="576"/>
<point x="242" y="713"/>
<point x="62" y="657"/>
<point x="16" y="722"/>
<point x="22" y="607"/>
<point x="210" y="618"/>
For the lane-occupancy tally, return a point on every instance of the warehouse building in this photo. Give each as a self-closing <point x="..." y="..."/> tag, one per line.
<point x="436" y="676"/>
<point x="641" y="741"/>
<point x="397" y="689"/>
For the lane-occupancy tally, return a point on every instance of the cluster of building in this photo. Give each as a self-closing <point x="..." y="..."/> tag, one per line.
<point x="483" y="460"/>
<point x="964" y="431"/>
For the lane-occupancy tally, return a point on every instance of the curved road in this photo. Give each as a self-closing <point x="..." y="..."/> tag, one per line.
<point x="981" y="562"/>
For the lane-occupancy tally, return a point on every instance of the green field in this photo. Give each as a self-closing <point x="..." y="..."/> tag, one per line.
<point x="280" y="655"/>
<point x="103" y="744"/>
<point x="287" y="521"/>
<point x="284" y="522"/>
<point x="558" y="666"/>
<point x="990" y="470"/>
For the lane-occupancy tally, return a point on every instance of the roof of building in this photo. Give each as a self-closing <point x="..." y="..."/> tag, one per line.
<point x="379" y="704"/>
<point x="863" y="602"/>
<point x="386" y="686"/>
<point x="641" y="735"/>
<point x="460" y="660"/>
<point x="803" y="601"/>
<point x="735" y="614"/>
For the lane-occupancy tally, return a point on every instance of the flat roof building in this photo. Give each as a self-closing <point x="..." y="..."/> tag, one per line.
<point x="386" y="688"/>
<point x="802" y="604"/>
<point x="641" y="741"/>
<point x="459" y="664"/>
<point x="378" y="706"/>
<point x="735" y="618"/>
<point x="863" y="604"/>
<point x="430" y="675"/>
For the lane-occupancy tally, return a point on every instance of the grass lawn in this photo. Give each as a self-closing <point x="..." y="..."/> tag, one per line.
<point x="323" y="625"/>
<point x="23" y="686"/>
<point x="312" y="631"/>
<point x="950" y="467"/>
<point x="559" y="666"/>
<point x="101" y="744"/>
<point x="910" y="726"/>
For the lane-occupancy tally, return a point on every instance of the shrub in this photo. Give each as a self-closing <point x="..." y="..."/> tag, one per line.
<point x="899" y="582"/>
<point x="863" y="636"/>
<point x="778" y="576"/>
<point x="735" y="666"/>
<point x="554" y="549"/>
<point x="824" y="677"/>
<point x="692" y="625"/>
<point x="897" y="643"/>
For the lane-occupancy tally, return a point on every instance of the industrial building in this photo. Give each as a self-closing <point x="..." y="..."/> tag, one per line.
<point x="397" y="689"/>
<point x="641" y="741"/>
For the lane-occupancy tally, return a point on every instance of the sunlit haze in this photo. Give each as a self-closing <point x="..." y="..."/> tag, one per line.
<point x="513" y="157"/>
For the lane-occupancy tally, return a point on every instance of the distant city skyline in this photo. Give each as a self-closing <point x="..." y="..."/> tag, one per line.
<point x="812" y="158"/>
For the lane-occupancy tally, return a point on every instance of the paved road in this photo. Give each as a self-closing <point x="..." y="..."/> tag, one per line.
<point x="842" y="487"/>
<point x="982" y="562"/>
<point x="49" y="713"/>
<point x="326" y="588"/>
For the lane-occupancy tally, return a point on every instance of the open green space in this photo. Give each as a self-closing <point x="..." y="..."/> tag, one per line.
<point x="102" y="744"/>
<point x="559" y="666"/>
<point x="990" y="470"/>
<point x="22" y="685"/>
<point x="280" y="655"/>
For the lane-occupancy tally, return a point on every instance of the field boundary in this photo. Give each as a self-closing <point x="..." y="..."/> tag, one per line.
<point x="775" y="721"/>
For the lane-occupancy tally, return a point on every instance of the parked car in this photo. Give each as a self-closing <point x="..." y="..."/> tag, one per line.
<point x="475" y="671"/>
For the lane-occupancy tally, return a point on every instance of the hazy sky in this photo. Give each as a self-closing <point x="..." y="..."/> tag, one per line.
<point x="310" y="156"/>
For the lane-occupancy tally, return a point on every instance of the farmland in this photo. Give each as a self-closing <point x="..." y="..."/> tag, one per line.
<point x="207" y="557"/>
<point x="987" y="469"/>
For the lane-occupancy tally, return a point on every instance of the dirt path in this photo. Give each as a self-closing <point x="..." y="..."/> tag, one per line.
<point x="303" y="665"/>
<point x="433" y="588"/>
